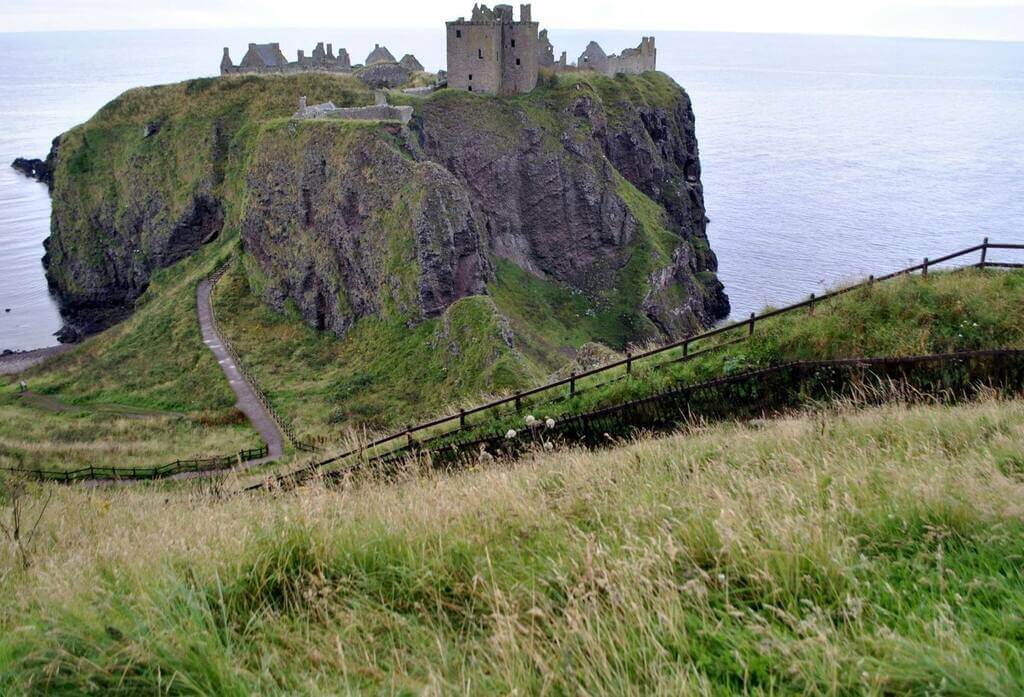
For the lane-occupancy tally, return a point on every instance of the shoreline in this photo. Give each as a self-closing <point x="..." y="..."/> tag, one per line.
<point x="20" y="361"/>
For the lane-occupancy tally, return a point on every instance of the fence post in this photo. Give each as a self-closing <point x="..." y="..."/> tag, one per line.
<point x="811" y="306"/>
<point x="686" y="347"/>
<point x="753" y="315"/>
<point x="629" y="363"/>
<point x="984" y="252"/>
<point x="871" y="280"/>
<point x="572" y="384"/>
<point x="924" y="270"/>
<point x="408" y="435"/>
<point x="519" y="404"/>
<point x="462" y="418"/>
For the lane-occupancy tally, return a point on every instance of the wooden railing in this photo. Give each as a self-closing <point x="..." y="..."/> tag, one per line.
<point x="171" y="469"/>
<point x="406" y="437"/>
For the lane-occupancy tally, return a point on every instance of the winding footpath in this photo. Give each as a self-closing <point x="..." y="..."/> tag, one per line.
<point x="247" y="402"/>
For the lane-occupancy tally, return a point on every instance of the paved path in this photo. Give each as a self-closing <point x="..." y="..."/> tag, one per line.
<point x="247" y="402"/>
<point x="18" y="362"/>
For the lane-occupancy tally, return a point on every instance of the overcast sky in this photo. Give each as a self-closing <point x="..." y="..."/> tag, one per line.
<point x="970" y="19"/>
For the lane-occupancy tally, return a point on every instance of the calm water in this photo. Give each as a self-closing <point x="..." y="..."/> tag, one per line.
<point x="824" y="158"/>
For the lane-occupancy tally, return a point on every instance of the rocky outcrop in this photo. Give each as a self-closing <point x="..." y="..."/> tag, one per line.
<point x="40" y="170"/>
<point x="384" y="75"/>
<point x="592" y="186"/>
<point x="553" y="201"/>
<point x="350" y="228"/>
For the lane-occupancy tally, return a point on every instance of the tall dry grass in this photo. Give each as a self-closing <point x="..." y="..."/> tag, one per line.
<point x="857" y="551"/>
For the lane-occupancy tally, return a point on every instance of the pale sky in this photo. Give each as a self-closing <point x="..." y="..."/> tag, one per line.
<point x="968" y="19"/>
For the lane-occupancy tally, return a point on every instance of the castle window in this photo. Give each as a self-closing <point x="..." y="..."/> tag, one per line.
<point x="480" y="53"/>
<point x="513" y="43"/>
<point x="458" y="33"/>
<point x="518" y="62"/>
<point x="471" y="76"/>
<point x="471" y="88"/>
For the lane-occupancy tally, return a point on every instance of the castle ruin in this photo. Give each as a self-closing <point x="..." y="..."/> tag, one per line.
<point x="268" y="58"/>
<point x="631" y="61"/>
<point x="492" y="53"/>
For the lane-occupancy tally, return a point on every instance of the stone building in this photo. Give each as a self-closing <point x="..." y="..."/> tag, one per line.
<point x="410" y="63"/>
<point x="632" y="61"/>
<point x="492" y="53"/>
<point x="380" y="54"/>
<point x="267" y="58"/>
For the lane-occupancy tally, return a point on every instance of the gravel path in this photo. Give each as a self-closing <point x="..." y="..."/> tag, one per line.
<point x="247" y="402"/>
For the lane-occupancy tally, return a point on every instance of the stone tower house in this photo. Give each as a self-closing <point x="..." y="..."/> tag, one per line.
<point x="492" y="53"/>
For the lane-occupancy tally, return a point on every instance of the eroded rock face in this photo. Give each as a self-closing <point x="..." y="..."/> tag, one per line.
<point x="348" y="229"/>
<point x="552" y="201"/>
<point x="596" y="188"/>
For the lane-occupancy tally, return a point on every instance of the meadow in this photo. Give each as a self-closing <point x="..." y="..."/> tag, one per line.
<point x="848" y="550"/>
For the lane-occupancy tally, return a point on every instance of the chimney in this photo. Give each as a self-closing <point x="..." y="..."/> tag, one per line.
<point x="330" y="51"/>
<point x="302" y="54"/>
<point x="525" y="15"/>
<point x="252" y="47"/>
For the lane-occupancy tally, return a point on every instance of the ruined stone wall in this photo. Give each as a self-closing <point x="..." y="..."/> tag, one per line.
<point x="519" y="58"/>
<point x="474" y="54"/>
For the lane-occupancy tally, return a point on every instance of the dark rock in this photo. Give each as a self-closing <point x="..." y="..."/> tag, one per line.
<point x="68" y="335"/>
<point x="384" y="75"/>
<point x="152" y="128"/>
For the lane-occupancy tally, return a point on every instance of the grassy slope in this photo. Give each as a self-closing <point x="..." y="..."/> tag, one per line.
<point x="156" y="359"/>
<point x="863" y="552"/>
<point x="383" y="373"/>
<point x="944" y="312"/>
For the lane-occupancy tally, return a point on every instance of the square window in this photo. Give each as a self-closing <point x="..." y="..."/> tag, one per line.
<point x="480" y="53"/>
<point x="471" y="76"/>
<point x="518" y="62"/>
<point x="471" y="88"/>
<point x="458" y="33"/>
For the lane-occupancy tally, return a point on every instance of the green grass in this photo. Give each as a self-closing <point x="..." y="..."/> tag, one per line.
<point x="382" y="374"/>
<point x="941" y="313"/>
<point x="855" y="552"/>
<point x="43" y="433"/>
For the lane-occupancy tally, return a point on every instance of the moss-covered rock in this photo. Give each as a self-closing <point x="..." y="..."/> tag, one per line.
<point x="589" y="186"/>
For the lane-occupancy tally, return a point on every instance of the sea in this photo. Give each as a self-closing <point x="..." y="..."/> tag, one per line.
<point x="824" y="158"/>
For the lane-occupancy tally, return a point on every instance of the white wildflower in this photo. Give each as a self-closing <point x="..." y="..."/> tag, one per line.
<point x="549" y="446"/>
<point x="550" y="423"/>
<point x="511" y="434"/>
<point x="721" y="578"/>
<point x="530" y="421"/>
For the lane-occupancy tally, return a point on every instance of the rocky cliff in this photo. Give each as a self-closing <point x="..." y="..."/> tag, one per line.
<point x="589" y="187"/>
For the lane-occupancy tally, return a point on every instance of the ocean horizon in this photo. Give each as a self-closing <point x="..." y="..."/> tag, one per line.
<point x="824" y="158"/>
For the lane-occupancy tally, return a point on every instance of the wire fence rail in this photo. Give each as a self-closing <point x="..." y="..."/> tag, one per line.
<point x="747" y="395"/>
<point x="93" y="473"/>
<point x="283" y="424"/>
<point x="674" y="353"/>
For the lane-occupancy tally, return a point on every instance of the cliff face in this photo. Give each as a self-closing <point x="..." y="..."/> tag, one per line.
<point x="591" y="186"/>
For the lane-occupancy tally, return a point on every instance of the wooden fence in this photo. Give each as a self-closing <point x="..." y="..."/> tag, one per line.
<point x="745" y="395"/>
<point x="672" y="353"/>
<point x="171" y="469"/>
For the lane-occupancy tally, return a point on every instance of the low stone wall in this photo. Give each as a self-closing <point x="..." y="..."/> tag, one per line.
<point x="385" y="112"/>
